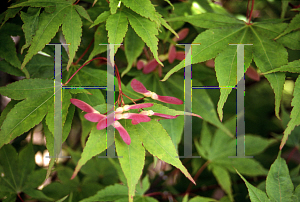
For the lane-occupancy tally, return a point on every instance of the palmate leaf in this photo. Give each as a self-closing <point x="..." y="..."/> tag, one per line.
<point x="145" y="29"/>
<point x="293" y="67"/>
<point x="10" y="13"/>
<point x="173" y="87"/>
<point x="156" y="140"/>
<point x="30" y="19"/>
<point x="295" y="113"/>
<point x="81" y="11"/>
<point x="133" y="48"/>
<point x="48" y="26"/>
<point x="113" y="5"/>
<point x="110" y="193"/>
<point x="208" y="20"/>
<point x="8" y="50"/>
<point x="291" y="40"/>
<point x="28" y="113"/>
<point x="223" y="178"/>
<point x="256" y="195"/>
<point x="143" y="7"/>
<point x="63" y="13"/>
<point x="219" y="147"/>
<point x="40" y="3"/>
<point x="72" y="31"/>
<point x="293" y="25"/>
<point x="19" y="174"/>
<point x="226" y="70"/>
<point x="267" y="54"/>
<point x="95" y="144"/>
<point x="101" y="18"/>
<point x="100" y="38"/>
<point x="279" y="185"/>
<point x="133" y="157"/>
<point x="116" y="25"/>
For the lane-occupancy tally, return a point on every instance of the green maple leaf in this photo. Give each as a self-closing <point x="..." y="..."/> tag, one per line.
<point x="18" y="173"/>
<point x="63" y="13"/>
<point x="116" y="25"/>
<point x="224" y="30"/>
<point x="37" y="96"/>
<point x="31" y="20"/>
<point x="293" y="67"/>
<point x="295" y="113"/>
<point x="279" y="186"/>
<point x="8" y="50"/>
<point x="145" y="29"/>
<point x="133" y="48"/>
<point x="218" y="147"/>
<point x="143" y="7"/>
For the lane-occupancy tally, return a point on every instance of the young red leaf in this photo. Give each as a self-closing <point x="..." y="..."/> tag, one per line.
<point x="171" y="53"/>
<point x="150" y="66"/>
<point x="82" y="105"/>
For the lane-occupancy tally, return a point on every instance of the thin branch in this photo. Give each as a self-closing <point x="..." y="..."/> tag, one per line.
<point x="86" y="50"/>
<point x="196" y="176"/>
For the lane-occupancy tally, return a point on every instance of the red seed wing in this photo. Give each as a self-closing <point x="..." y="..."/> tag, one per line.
<point x="138" y="86"/>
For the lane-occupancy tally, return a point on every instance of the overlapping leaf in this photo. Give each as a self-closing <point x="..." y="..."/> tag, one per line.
<point x="293" y="67"/>
<point x="143" y="7"/>
<point x="156" y="140"/>
<point x="28" y="113"/>
<point x="133" y="48"/>
<point x="295" y="113"/>
<point x="95" y="144"/>
<point x="116" y="25"/>
<point x="8" y="50"/>
<point x="72" y="31"/>
<point x="218" y="148"/>
<point x="133" y="157"/>
<point x="63" y="13"/>
<point x="18" y="174"/>
<point x="145" y="29"/>
<point x="279" y="186"/>
<point x="267" y="54"/>
<point x="31" y="20"/>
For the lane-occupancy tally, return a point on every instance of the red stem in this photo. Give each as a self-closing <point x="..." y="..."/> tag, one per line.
<point x="291" y="154"/>
<point x="20" y="197"/>
<point x="154" y="194"/>
<point x="120" y="100"/>
<point x="81" y="67"/>
<point x="86" y="50"/>
<point x="250" y="15"/>
<point x="196" y="176"/>
<point x="76" y="2"/>
<point x="247" y="14"/>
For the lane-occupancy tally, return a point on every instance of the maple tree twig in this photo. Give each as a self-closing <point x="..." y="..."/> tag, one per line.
<point x="197" y="175"/>
<point x="86" y="50"/>
<point x="250" y="15"/>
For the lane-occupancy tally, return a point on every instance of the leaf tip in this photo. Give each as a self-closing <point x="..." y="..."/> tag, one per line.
<point x="74" y="174"/>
